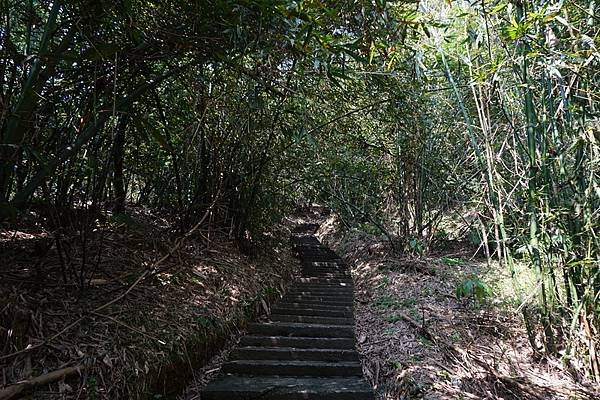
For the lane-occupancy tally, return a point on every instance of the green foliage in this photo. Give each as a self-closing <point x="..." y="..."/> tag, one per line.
<point x="204" y="321"/>
<point x="474" y="237"/>
<point x="388" y="302"/>
<point x="473" y="287"/>
<point x="369" y="228"/>
<point x="416" y="246"/>
<point x="452" y="262"/>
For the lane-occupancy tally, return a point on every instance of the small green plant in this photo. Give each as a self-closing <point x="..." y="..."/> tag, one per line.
<point x="203" y="321"/>
<point x="92" y="386"/>
<point x="474" y="237"/>
<point x="455" y="337"/>
<point x="393" y="318"/>
<point x="425" y="341"/>
<point x="388" y="302"/>
<point x="269" y="292"/>
<point x="475" y="288"/>
<point x="369" y="228"/>
<point x="197" y="280"/>
<point x="416" y="246"/>
<point x="442" y="234"/>
<point x="452" y="262"/>
<point x="384" y="282"/>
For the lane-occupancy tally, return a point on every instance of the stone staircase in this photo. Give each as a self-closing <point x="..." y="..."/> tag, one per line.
<point x="306" y="350"/>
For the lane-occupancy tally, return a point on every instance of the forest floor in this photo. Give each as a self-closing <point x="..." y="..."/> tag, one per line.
<point x="135" y="337"/>
<point x="418" y="340"/>
<point x="128" y="308"/>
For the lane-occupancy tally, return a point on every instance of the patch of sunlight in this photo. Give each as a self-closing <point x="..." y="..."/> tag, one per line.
<point x="15" y="235"/>
<point x="506" y="289"/>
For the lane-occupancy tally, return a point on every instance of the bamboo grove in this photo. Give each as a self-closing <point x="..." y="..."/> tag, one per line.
<point x="398" y="115"/>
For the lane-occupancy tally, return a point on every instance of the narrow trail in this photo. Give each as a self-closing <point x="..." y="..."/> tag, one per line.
<point x="307" y="349"/>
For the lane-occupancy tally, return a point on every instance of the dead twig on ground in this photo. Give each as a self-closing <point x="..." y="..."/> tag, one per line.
<point x="21" y="388"/>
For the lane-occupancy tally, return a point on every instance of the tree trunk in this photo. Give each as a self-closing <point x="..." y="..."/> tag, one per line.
<point x="118" y="161"/>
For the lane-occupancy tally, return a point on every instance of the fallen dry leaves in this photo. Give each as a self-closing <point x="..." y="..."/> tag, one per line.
<point x="149" y="341"/>
<point x="417" y="340"/>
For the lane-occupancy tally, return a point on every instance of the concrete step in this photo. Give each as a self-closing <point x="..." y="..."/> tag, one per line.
<point x="313" y="306"/>
<point x="235" y="387"/>
<point x="322" y="293"/>
<point x="312" y="319"/>
<point x="338" y="301"/>
<point x="333" y="289"/>
<point x="309" y="280"/>
<point x="308" y="303"/>
<point x="300" y="304"/>
<point x="326" y="271"/>
<point x="297" y="342"/>
<point x="291" y="353"/>
<point x="325" y="312"/>
<point x="327" y="293"/>
<point x="327" y="287"/>
<point x="325" y="264"/>
<point x="323" y="286"/>
<point x="293" y="368"/>
<point x="309" y="261"/>
<point x="301" y="330"/>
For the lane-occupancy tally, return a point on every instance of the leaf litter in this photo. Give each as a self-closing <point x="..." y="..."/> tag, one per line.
<point x="147" y="342"/>
<point x="417" y="339"/>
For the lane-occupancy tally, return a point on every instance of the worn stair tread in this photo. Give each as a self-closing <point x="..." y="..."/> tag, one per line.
<point x="318" y="300"/>
<point x="312" y="319"/>
<point x="301" y="329"/>
<point x="324" y="312"/>
<point x="307" y="287"/>
<point x="297" y="342"/>
<point x="315" y="305"/>
<point x="293" y="353"/>
<point x="236" y="387"/>
<point x="317" y="291"/>
<point x="331" y="292"/>
<point x="323" y="293"/>
<point x="334" y="298"/>
<point x="328" y="295"/>
<point x="293" y="367"/>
